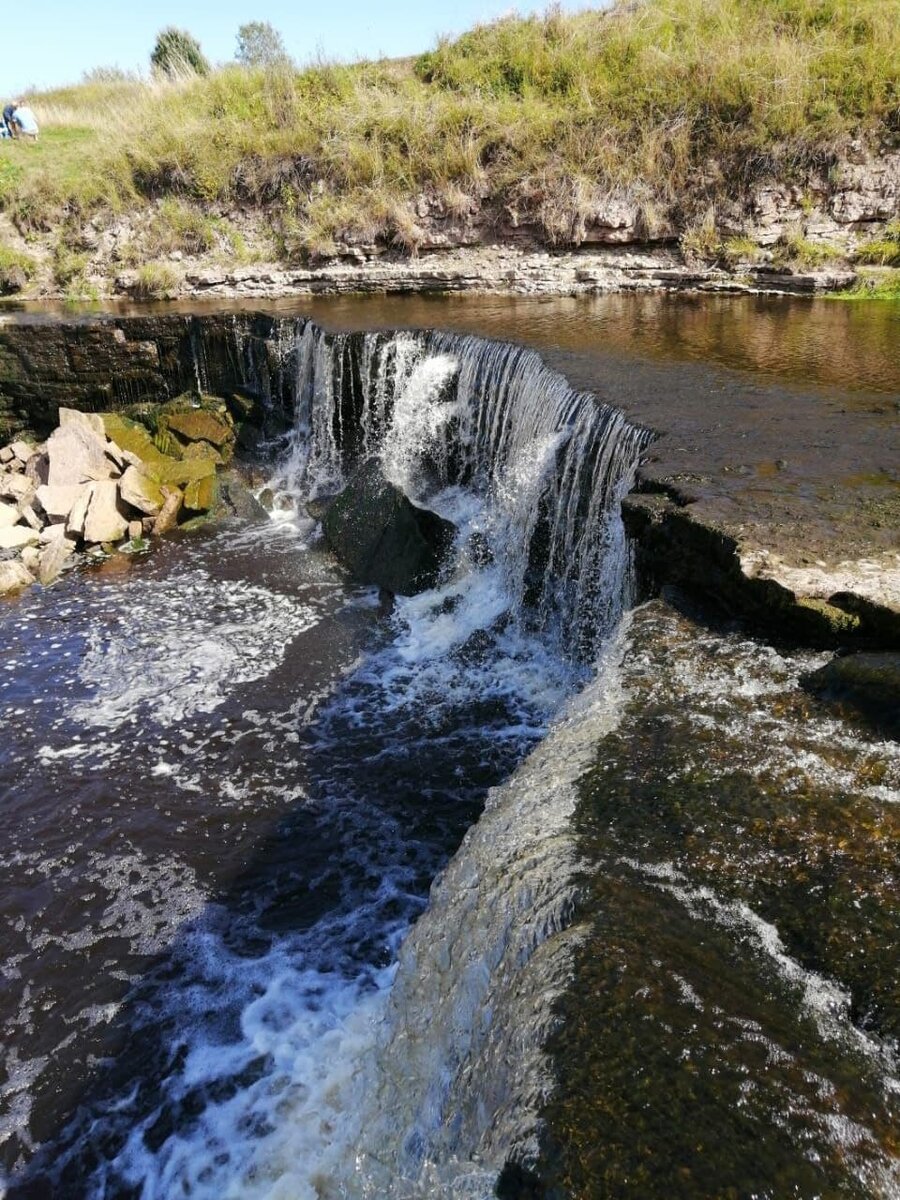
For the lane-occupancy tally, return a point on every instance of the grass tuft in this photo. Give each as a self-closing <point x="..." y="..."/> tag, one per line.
<point x="16" y="269"/>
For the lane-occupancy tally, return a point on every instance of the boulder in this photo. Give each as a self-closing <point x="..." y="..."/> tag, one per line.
<point x="15" y="537"/>
<point x="22" y="451"/>
<point x="201" y="425"/>
<point x="237" y="500"/>
<point x="51" y="532"/>
<point x="104" y="522"/>
<point x="168" y="516"/>
<point x="78" y="515"/>
<point x="382" y="537"/>
<point x="183" y="471"/>
<point x="6" y="454"/>
<point x="201" y="494"/>
<point x="53" y="558"/>
<point x="869" y="681"/>
<point x="203" y="450"/>
<point x="13" y="576"/>
<point x="140" y="491"/>
<point x="29" y="517"/>
<point x="30" y="558"/>
<point x="37" y="469"/>
<point x="9" y="515"/>
<point x="17" y="487"/>
<point x="57" y="502"/>
<point x="77" y="455"/>
<point x="91" y="422"/>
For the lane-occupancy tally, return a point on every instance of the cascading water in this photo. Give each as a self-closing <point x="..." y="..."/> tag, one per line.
<point x="283" y="1050"/>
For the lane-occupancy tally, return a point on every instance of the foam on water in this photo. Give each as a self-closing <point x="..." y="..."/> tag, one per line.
<point x="180" y="645"/>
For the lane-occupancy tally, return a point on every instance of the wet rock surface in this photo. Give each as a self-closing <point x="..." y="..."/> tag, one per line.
<point x="870" y="682"/>
<point x="735" y="990"/>
<point x="382" y="538"/>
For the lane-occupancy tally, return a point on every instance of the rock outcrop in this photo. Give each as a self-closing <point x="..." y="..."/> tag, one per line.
<point x="382" y="537"/>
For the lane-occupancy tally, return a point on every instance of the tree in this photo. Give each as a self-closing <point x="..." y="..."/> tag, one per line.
<point x="176" y="52"/>
<point x="259" y="45"/>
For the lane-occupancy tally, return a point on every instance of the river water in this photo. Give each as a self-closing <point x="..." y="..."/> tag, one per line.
<point x="229" y="778"/>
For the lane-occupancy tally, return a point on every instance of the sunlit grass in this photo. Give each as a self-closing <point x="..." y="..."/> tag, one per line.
<point x="543" y="116"/>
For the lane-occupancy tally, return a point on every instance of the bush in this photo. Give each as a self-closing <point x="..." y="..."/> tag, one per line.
<point x="178" y="52"/>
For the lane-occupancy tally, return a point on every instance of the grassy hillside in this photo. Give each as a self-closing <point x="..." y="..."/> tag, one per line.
<point x="673" y="103"/>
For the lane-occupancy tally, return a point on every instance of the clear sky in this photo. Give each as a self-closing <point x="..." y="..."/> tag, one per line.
<point x="55" y="42"/>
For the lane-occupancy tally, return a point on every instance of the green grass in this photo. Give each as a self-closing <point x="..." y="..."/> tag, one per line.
<point x="794" y="250"/>
<point x="872" y="285"/>
<point x="883" y="251"/>
<point x="16" y="269"/>
<point x="545" y="116"/>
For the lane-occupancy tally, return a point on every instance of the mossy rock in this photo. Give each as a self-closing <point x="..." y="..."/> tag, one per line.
<point x="203" y="450"/>
<point x="132" y="436"/>
<point x="185" y="471"/>
<point x="832" y="621"/>
<point x="201" y="425"/>
<point x="201" y="495"/>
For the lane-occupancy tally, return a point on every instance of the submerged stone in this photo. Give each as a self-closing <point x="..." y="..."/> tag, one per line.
<point x="870" y="682"/>
<point x="13" y="577"/>
<point x="382" y="537"/>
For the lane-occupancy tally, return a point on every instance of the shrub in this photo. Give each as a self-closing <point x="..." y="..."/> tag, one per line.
<point x="178" y="52"/>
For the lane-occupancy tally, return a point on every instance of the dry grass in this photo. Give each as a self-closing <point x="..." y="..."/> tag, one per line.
<point x="672" y="104"/>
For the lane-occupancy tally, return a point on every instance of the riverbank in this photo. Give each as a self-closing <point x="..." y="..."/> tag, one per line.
<point x="716" y="145"/>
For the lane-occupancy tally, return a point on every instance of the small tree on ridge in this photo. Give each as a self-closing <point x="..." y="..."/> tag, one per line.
<point x="260" y="45"/>
<point x="178" y="51"/>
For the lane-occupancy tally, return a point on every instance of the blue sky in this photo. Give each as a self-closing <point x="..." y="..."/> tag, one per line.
<point x="56" y="41"/>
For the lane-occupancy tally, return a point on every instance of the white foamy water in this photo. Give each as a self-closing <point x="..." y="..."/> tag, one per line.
<point x="178" y="646"/>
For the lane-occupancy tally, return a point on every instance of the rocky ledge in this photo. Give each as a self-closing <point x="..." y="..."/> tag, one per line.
<point x="498" y="269"/>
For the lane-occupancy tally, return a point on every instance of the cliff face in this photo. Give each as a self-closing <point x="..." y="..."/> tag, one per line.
<point x="110" y="363"/>
<point x="804" y="236"/>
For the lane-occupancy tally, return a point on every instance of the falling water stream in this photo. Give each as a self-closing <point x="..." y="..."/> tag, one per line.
<point x="303" y="887"/>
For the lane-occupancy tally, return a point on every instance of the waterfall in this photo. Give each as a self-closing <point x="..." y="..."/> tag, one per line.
<point x="327" y="1028"/>
<point x="532" y="471"/>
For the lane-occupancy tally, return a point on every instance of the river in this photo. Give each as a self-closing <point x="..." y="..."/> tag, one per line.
<point x="310" y="895"/>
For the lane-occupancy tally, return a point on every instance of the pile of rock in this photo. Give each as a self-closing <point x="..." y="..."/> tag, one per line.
<point x="102" y="480"/>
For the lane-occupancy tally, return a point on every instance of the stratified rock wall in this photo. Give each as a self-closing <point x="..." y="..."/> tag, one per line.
<point x="109" y="364"/>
